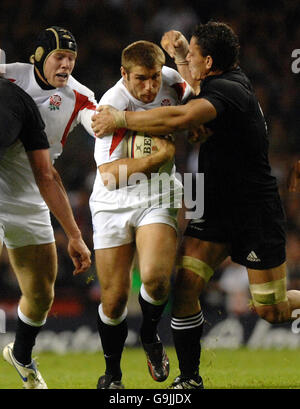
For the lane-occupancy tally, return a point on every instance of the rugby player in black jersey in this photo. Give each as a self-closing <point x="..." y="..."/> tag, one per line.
<point x="21" y="124"/>
<point x="243" y="216"/>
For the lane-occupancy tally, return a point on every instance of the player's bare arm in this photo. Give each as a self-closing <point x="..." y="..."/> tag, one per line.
<point x="177" y="46"/>
<point x="54" y="194"/>
<point x="157" y="121"/>
<point x="145" y="165"/>
<point x="294" y="178"/>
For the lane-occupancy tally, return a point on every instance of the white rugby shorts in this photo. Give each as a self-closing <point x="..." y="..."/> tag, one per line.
<point x="118" y="227"/>
<point x="25" y="226"/>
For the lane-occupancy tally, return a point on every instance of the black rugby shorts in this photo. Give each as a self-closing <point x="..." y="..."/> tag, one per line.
<point x="254" y="232"/>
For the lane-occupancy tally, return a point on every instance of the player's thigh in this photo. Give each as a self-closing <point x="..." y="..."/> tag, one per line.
<point x="266" y="275"/>
<point x="35" y="267"/>
<point x="211" y="253"/>
<point x="156" y="246"/>
<point x="112" y="229"/>
<point x="113" y="270"/>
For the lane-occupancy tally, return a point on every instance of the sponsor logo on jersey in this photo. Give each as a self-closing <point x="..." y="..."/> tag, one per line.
<point x="54" y="102"/>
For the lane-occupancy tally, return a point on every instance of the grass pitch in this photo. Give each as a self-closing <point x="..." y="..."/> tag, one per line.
<point x="220" y="369"/>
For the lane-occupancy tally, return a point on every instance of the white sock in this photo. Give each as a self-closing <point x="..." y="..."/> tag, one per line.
<point x="111" y="321"/>
<point x="29" y="321"/>
<point x="149" y="299"/>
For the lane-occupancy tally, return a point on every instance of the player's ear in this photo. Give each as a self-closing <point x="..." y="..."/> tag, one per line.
<point x="123" y="72"/>
<point x="209" y="62"/>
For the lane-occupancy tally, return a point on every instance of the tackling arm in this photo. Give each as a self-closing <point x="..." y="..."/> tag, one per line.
<point x="157" y="121"/>
<point x="54" y="194"/>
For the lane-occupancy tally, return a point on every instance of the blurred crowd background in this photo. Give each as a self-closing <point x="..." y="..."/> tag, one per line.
<point x="269" y="31"/>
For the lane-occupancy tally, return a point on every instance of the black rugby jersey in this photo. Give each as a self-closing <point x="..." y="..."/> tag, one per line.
<point x="19" y="119"/>
<point x="235" y="158"/>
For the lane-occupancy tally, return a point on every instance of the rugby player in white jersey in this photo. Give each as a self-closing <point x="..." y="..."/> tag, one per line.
<point x="124" y="222"/>
<point x="22" y="125"/>
<point x="63" y="103"/>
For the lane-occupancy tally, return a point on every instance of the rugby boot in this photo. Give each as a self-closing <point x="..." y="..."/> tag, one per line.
<point x="157" y="360"/>
<point x="106" y="382"/>
<point x="31" y="377"/>
<point x="187" y="383"/>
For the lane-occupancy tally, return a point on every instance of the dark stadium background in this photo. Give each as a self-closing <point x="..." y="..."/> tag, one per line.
<point x="269" y="31"/>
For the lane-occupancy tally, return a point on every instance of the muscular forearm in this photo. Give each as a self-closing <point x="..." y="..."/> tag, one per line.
<point x="158" y="121"/>
<point x="165" y="120"/>
<point x="55" y="196"/>
<point x="113" y="171"/>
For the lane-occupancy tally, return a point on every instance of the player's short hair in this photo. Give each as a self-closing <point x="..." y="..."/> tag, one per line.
<point x="218" y="40"/>
<point x="142" y="53"/>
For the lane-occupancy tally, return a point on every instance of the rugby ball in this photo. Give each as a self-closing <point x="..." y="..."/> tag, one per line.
<point x="139" y="145"/>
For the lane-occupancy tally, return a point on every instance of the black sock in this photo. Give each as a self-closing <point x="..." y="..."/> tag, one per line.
<point x="113" y="338"/>
<point x="187" y="334"/>
<point x="24" y="342"/>
<point x="151" y="317"/>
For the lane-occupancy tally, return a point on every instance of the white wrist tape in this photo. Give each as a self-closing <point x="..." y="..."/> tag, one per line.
<point x="120" y="119"/>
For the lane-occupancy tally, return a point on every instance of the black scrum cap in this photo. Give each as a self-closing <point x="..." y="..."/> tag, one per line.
<point x="50" y="40"/>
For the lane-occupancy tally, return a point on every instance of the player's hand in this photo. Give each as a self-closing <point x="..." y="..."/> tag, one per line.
<point x="107" y="120"/>
<point x="176" y="45"/>
<point x="294" y="178"/>
<point x="165" y="146"/>
<point x="80" y="255"/>
<point x="200" y="134"/>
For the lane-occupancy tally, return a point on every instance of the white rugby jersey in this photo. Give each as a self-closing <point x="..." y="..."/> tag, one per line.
<point x="173" y="91"/>
<point x="61" y="109"/>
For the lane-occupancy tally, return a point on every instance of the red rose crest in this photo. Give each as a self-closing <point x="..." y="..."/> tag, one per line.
<point x="55" y="102"/>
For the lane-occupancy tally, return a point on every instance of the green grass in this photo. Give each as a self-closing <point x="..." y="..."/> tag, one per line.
<point x="220" y="369"/>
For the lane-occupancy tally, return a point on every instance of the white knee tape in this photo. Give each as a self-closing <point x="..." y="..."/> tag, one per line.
<point x="197" y="266"/>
